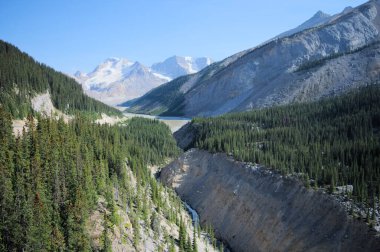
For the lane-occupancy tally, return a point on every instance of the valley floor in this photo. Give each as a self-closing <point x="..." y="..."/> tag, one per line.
<point x="174" y="123"/>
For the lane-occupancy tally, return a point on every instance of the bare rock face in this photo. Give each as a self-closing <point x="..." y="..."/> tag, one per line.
<point x="42" y="103"/>
<point x="268" y="75"/>
<point x="341" y="54"/>
<point x="253" y="209"/>
<point x="185" y="136"/>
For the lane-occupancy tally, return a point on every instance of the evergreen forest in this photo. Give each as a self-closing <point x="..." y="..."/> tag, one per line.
<point x="53" y="173"/>
<point x="22" y="78"/>
<point x="329" y="143"/>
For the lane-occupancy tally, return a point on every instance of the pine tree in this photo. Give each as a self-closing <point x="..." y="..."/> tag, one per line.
<point x="136" y="231"/>
<point x="49" y="185"/>
<point x="331" y="140"/>
<point x="195" y="245"/>
<point x="77" y="238"/>
<point x="182" y="236"/>
<point x="171" y="246"/>
<point x="6" y="177"/>
<point x="189" y="245"/>
<point x="39" y="229"/>
<point x="107" y="244"/>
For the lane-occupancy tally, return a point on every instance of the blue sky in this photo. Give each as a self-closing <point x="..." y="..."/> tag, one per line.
<point x="72" y="35"/>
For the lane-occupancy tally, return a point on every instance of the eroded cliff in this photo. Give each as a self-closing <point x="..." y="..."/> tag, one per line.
<point x="253" y="209"/>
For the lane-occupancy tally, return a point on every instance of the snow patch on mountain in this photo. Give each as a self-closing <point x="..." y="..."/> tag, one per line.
<point x="176" y="66"/>
<point x="162" y="76"/>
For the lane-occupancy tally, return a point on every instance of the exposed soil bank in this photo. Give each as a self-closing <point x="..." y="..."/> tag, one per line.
<point x="254" y="209"/>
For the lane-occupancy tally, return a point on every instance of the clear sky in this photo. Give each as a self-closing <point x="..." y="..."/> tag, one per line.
<point x="72" y="35"/>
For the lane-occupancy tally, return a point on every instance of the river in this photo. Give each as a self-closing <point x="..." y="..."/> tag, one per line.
<point x="194" y="214"/>
<point x="174" y="123"/>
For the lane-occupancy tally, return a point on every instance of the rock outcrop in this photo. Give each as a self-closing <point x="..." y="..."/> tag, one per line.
<point x="185" y="136"/>
<point x="253" y="209"/>
<point x="341" y="54"/>
<point x="43" y="104"/>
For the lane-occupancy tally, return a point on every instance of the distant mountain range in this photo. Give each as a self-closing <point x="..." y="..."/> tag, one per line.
<point x="324" y="56"/>
<point x="117" y="80"/>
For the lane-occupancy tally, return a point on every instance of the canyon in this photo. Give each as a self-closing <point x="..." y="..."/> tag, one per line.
<point x="252" y="208"/>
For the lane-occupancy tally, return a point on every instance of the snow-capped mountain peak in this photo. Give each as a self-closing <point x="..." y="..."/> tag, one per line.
<point x="105" y="73"/>
<point x="135" y="69"/>
<point x="112" y="65"/>
<point x="116" y="80"/>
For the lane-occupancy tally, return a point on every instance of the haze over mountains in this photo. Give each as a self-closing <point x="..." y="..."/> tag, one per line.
<point x="116" y="80"/>
<point x="329" y="56"/>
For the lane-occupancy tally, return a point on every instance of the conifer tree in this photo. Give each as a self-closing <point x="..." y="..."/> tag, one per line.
<point x="195" y="245"/>
<point x="49" y="185"/>
<point x="6" y="177"/>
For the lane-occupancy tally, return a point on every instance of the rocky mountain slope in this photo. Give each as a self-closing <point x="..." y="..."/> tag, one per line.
<point x="329" y="59"/>
<point x="116" y="80"/>
<point x="253" y="209"/>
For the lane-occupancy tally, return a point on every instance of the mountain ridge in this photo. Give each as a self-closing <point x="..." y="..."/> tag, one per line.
<point x="22" y="79"/>
<point x="318" y="18"/>
<point x="267" y="75"/>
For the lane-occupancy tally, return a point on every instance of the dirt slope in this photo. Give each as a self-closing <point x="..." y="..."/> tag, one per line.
<point x="255" y="210"/>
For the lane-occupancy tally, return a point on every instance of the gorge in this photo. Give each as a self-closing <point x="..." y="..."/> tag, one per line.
<point x="253" y="209"/>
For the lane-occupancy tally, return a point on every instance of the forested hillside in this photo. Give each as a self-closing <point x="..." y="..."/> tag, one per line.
<point x="52" y="175"/>
<point x="330" y="143"/>
<point x="21" y="78"/>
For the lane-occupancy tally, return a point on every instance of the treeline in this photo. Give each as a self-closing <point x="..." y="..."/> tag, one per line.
<point x="320" y="62"/>
<point x="52" y="175"/>
<point x="21" y="78"/>
<point x="333" y="142"/>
